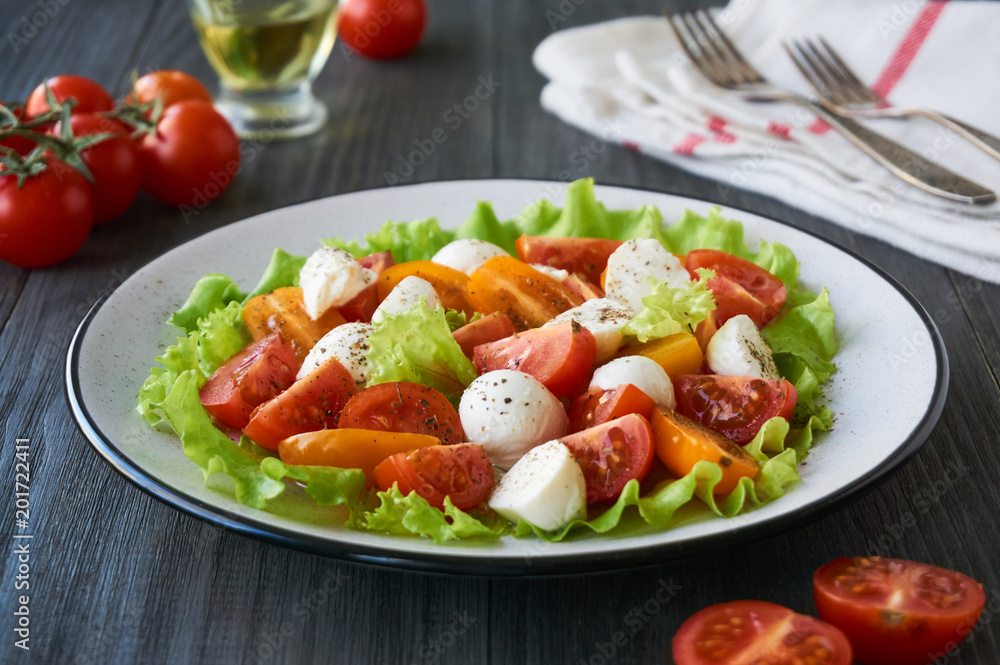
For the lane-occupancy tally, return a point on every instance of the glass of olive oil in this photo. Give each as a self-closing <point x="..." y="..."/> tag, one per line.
<point x="267" y="54"/>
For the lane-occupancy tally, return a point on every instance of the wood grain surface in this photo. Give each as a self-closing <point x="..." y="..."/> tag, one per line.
<point x="118" y="577"/>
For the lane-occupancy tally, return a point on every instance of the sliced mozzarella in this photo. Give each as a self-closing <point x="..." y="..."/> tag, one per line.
<point x="643" y="373"/>
<point x="348" y="343"/>
<point x="557" y="274"/>
<point x="330" y="278"/>
<point x="604" y="318"/>
<point x="737" y="349"/>
<point x="632" y="263"/>
<point x="545" y="487"/>
<point x="405" y="295"/>
<point x="510" y="413"/>
<point x="467" y="254"/>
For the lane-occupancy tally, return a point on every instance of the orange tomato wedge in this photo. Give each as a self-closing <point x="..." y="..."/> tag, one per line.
<point x="283" y="311"/>
<point x="350" y="448"/>
<point x="450" y="285"/>
<point x="676" y="354"/>
<point x="525" y="295"/>
<point x="681" y="443"/>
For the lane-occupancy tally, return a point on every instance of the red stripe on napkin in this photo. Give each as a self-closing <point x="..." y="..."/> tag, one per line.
<point x="715" y="123"/>
<point x="780" y="129"/>
<point x="687" y="145"/>
<point x="901" y="59"/>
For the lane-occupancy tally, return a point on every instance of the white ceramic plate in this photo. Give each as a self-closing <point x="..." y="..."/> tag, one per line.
<point x="891" y="355"/>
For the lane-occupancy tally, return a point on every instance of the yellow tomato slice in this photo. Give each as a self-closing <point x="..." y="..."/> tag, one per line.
<point x="676" y="354"/>
<point x="283" y="311"/>
<point x="528" y="297"/>
<point x="450" y="285"/>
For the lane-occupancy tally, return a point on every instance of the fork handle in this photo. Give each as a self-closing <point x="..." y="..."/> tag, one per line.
<point x="905" y="163"/>
<point x="979" y="138"/>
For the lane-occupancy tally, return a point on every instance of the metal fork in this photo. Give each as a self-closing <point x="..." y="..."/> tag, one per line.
<point x="719" y="61"/>
<point x="842" y="92"/>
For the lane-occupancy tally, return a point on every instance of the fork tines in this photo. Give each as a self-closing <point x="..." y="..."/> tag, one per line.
<point x="712" y="52"/>
<point x="827" y="74"/>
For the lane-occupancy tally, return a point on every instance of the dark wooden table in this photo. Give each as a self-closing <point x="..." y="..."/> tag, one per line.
<point x="117" y="576"/>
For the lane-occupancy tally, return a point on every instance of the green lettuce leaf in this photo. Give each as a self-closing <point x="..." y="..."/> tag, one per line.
<point x="210" y="293"/>
<point x="328" y="485"/>
<point x="771" y="448"/>
<point x="666" y="310"/>
<point x="413" y="516"/>
<point x="417" y="346"/>
<point x="282" y="270"/>
<point x="220" y="334"/>
<point x="408" y="241"/>
<point x="484" y="225"/>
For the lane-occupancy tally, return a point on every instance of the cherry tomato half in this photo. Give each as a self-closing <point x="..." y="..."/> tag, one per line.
<point x="739" y="286"/>
<point x="612" y="454"/>
<point x="897" y="612"/>
<point x="754" y="631"/>
<point x="462" y="472"/>
<point x="736" y="406"/>
<point x="587" y="256"/>
<point x="404" y="407"/>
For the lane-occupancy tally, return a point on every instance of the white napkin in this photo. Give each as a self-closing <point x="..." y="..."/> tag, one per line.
<point x="628" y="81"/>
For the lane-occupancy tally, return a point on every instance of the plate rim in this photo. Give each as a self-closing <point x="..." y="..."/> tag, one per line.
<point x="444" y="562"/>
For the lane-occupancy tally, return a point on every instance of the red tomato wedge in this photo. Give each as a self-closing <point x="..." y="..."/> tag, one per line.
<point x="312" y="403"/>
<point x="735" y="406"/>
<point x="587" y="256"/>
<point x="251" y="377"/>
<point x="490" y="328"/>
<point x="404" y="407"/>
<point x="527" y="296"/>
<point x="598" y="406"/>
<point x="559" y="356"/>
<point x="739" y="286"/>
<point x="612" y="454"/>
<point x="897" y="612"/>
<point x="362" y="306"/>
<point x="745" y="632"/>
<point x="462" y="472"/>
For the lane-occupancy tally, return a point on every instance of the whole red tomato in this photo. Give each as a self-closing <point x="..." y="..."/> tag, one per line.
<point x="191" y="157"/>
<point x="47" y="219"/>
<point x="114" y="163"/>
<point x="91" y="97"/>
<point x="382" y="29"/>
<point x="171" y="85"/>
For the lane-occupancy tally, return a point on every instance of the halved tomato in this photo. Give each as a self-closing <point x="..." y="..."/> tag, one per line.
<point x="462" y="473"/>
<point x="587" y="256"/>
<point x="361" y="449"/>
<point x="598" y="406"/>
<point x="612" y="454"/>
<point x="560" y="356"/>
<point x="739" y="286"/>
<point x="527" y="296"/>
<point x="753" y="631"/>
<point x="897" y="612"/>
<point x="249" y="378"/>
<point x="735" y="406"/>
<point x="404" y="407"/>
<point x="450" y="285"/>
<point x="283" y="311"/>
<point x="681" y="443"/>
<point x="583" y="287"/>
<point x="362" y="306"/>
<point x="312" y="403"/>
<point x="490" y="328"/>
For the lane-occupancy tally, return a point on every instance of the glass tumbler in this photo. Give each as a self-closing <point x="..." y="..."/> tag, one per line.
<point x="267" y="54"/>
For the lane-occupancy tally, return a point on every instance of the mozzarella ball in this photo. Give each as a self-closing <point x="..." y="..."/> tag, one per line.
<point x="330" y="278"/>
<point x="546" y="487"/>
<point x="738" y="349"/>
<point x="643" y="373"/>
<point x="348" y="343"/>
<point x="405" y="295"/>
<point x="509" y="413"/>
<point x="467" y="254"/>
<point x="630" y="265"/>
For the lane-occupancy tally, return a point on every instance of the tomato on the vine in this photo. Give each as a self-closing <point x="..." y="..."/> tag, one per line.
<point x="114" y="163"/>
<point x="48" y="218"/>
<point x="91" y="97"/>
<point x="171" y="86"/>
<point x="382" y="29"/>
<point x="192" y="155"/>
<point x="18" y="144"/>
